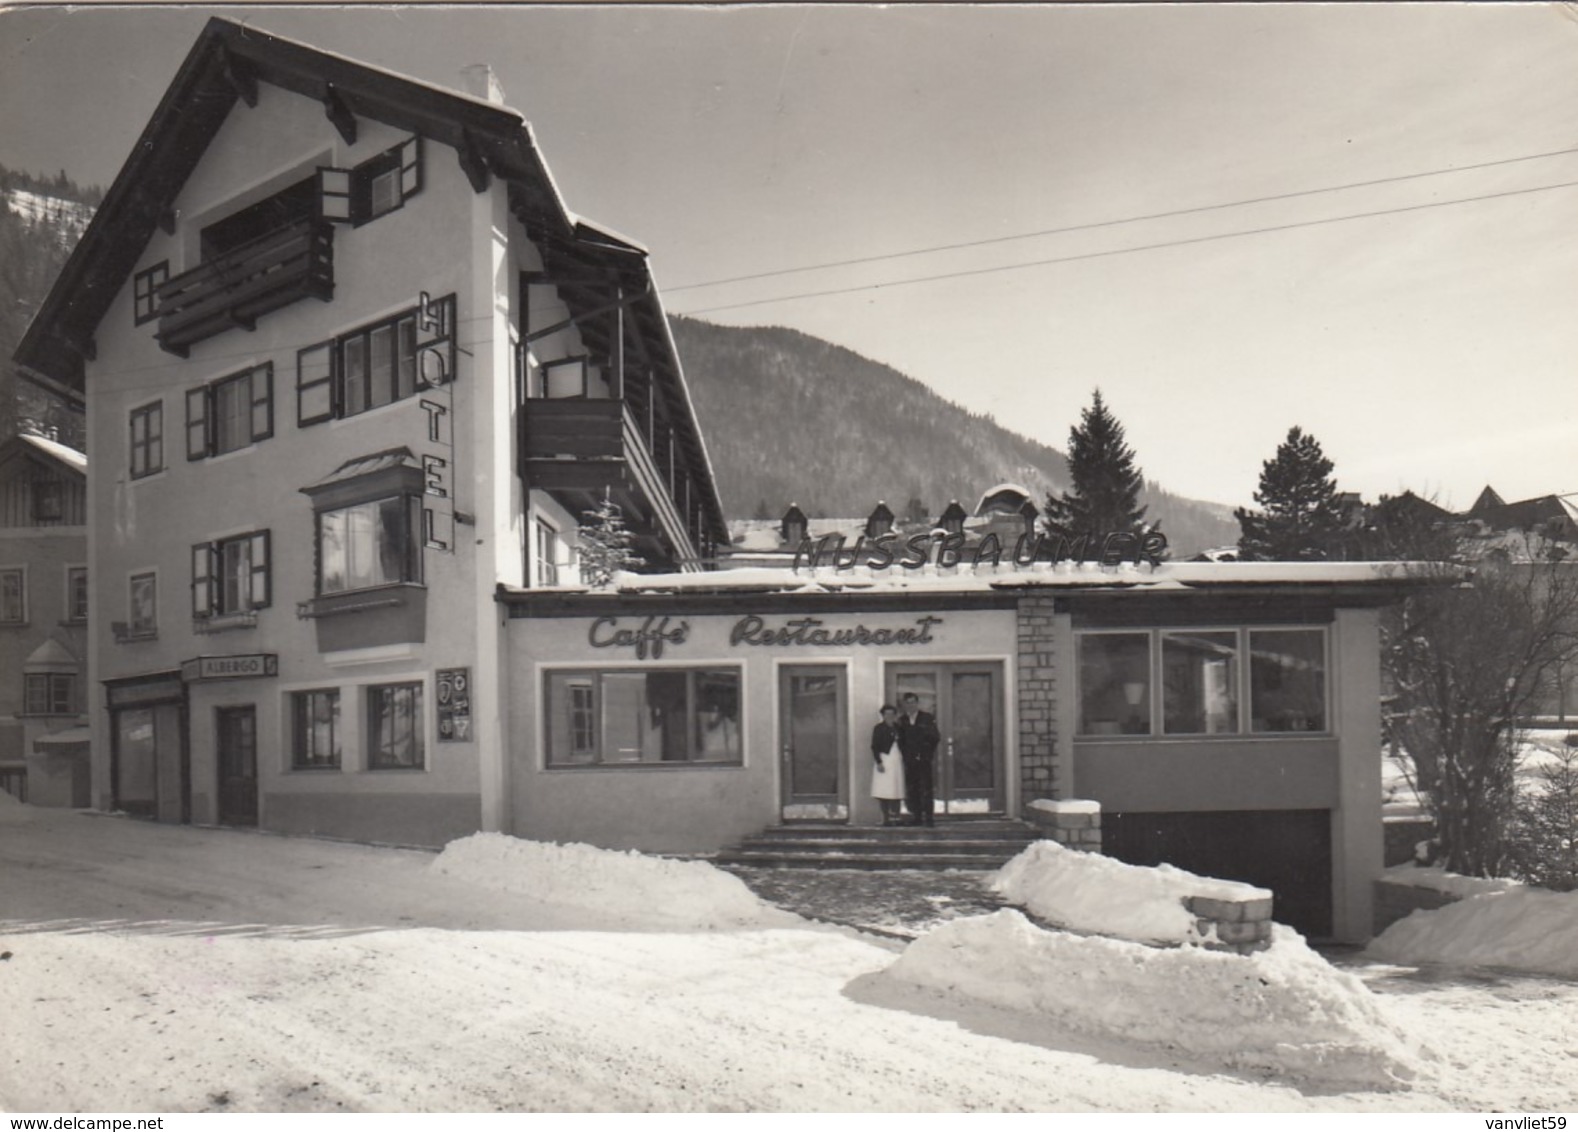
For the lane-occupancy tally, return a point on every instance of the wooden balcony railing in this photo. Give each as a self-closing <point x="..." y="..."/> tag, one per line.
<point x="234" y="289"/>
<point x="578" y="449"/>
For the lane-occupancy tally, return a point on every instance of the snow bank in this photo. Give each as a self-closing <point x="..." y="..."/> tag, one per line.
<point x="1087" y="892"/>
<point x="1439" y="880"/>
<point x="13" y="812"/>
<point x="1066" y="806"/>
<point x="1285" y="1009"/>
<point x="630" y="886"/>
<point x="1522" y="929"/>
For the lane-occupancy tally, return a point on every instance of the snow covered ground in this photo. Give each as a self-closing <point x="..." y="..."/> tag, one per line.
<point x="69" y="214"/>
<point x="1537" y="749"/>
<point x="1495" y="923"/>
<point x="167" y="968"/>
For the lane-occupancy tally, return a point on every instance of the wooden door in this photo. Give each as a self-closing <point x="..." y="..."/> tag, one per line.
<point x="814" y="741"/>
<point x="235" y="733"/>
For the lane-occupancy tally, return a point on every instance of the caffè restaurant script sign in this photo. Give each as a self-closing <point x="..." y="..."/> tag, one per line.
<point x="650" y="635"/>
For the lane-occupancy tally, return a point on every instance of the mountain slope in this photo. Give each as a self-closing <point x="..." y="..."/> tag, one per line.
<point x="790" y="418"/>
<point x="40" y="222"/>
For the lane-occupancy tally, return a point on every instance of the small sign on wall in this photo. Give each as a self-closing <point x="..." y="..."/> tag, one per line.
<point x="454" y="704"/>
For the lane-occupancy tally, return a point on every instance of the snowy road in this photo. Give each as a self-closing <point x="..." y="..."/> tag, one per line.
<point x="173" y="969"/>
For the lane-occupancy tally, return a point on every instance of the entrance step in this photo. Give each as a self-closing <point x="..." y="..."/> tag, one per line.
<point x="975" y="843"/>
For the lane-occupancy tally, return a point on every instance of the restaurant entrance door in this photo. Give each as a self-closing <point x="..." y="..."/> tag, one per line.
<point x="814" y="742"/>
<point x="966" y="698"/>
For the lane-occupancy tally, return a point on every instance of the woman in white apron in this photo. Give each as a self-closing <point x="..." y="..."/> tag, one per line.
<point x="887" y="777"/>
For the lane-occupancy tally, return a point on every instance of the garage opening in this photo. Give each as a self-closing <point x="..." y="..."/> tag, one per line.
<point x="1287" y="851"/>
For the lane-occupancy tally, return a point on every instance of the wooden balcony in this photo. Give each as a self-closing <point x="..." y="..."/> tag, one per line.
<point x="580" y="450"/>
<point x="235" y="289"/>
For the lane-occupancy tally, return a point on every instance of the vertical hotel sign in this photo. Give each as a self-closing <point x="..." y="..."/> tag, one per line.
<point x="435" y="359"/>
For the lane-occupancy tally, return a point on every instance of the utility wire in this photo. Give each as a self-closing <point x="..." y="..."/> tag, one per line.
<point x="1127" y="251"/>
<point x="1097" y="224"/>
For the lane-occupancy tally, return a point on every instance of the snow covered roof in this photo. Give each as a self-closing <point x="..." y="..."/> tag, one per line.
<point x="56" y="450"/>
<point x="1012" y="495"/>
<point x="1170" y="577"/>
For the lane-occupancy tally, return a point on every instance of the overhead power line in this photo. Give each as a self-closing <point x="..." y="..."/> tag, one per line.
<point x="1098" y="224"/>
<point x="1129" y="251"/>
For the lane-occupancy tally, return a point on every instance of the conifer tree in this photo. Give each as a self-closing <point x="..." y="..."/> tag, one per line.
<point x="1545" y="837"/>
<point x="604" y="544"/>
<point x="1301" y="519"/>
<point x="1105" y="490"/>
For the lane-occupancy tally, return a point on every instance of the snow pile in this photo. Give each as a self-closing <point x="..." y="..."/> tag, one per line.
<point x="1066" y="806"/>
<point x="13" y="812"/>
<point x="1284" y="1010"/>
<point x="629" y="886"/>
<point x="1522" y="929"/>
<point x="1087" y="892"/>
<point x="1439" y="880"/>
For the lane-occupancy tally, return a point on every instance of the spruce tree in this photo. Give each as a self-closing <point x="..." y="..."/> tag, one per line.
<point x="1301" y="519"/>
<point x="604" y="545"/>
<point x="1104" y="495"/>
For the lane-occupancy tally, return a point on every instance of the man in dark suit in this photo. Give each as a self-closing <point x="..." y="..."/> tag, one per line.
<point x="918" y="739"/>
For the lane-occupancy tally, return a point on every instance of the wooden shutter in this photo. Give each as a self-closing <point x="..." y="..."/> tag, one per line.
<point x="198" y="441"/>
<point x="203" y="581"/>
<point x="315" y="400"/>
<point x="410" y="167"/>
<point x="263" y="401"/>
<point x="261" y="589"/>
<point x="336" y="189"/>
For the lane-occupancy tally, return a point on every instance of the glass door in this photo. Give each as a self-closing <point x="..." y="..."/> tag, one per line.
<point x="814" y="740"/>
<point x="966" y="700"/>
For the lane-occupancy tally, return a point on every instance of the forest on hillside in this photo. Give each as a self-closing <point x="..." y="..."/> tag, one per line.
<point x="34" y="246"/>
<point x="789" y="418"/>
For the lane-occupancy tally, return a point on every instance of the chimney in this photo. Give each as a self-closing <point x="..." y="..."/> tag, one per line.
<point x="479" y="80"/>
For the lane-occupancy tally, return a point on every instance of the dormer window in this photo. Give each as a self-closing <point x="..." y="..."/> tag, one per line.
<point x="793" y="526"/>
<point x="952" y="518"/>
<point x="880" y="521"/>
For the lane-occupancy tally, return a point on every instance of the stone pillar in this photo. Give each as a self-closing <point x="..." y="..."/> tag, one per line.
<point x="1037" y="700"/>
<point x="1073" y="824"/>
<point x="1239" y="923"/>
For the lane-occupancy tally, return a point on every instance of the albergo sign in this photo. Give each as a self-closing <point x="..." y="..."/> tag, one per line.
<point x="649" y="636"/>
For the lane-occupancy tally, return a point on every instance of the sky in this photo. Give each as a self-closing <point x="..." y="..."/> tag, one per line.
<point x="1047" y="200"/>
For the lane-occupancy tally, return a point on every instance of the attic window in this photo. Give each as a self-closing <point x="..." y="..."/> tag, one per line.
<point x="377" y="186"/>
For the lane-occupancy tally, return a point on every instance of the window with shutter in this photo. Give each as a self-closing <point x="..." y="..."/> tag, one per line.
<point x="230" y="413"/>
<point x="231" y="575"/>
<point x="377" y="186"/>
<point x="387" y="361"/>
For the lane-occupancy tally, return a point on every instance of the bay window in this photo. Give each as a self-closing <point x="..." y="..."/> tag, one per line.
<point x="369" y="544"/>
<point x="48" y="693"/>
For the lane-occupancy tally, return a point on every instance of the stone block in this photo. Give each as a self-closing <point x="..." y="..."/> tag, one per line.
<point x="1248" y="932"/>
<point x="1229" y="911"/>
